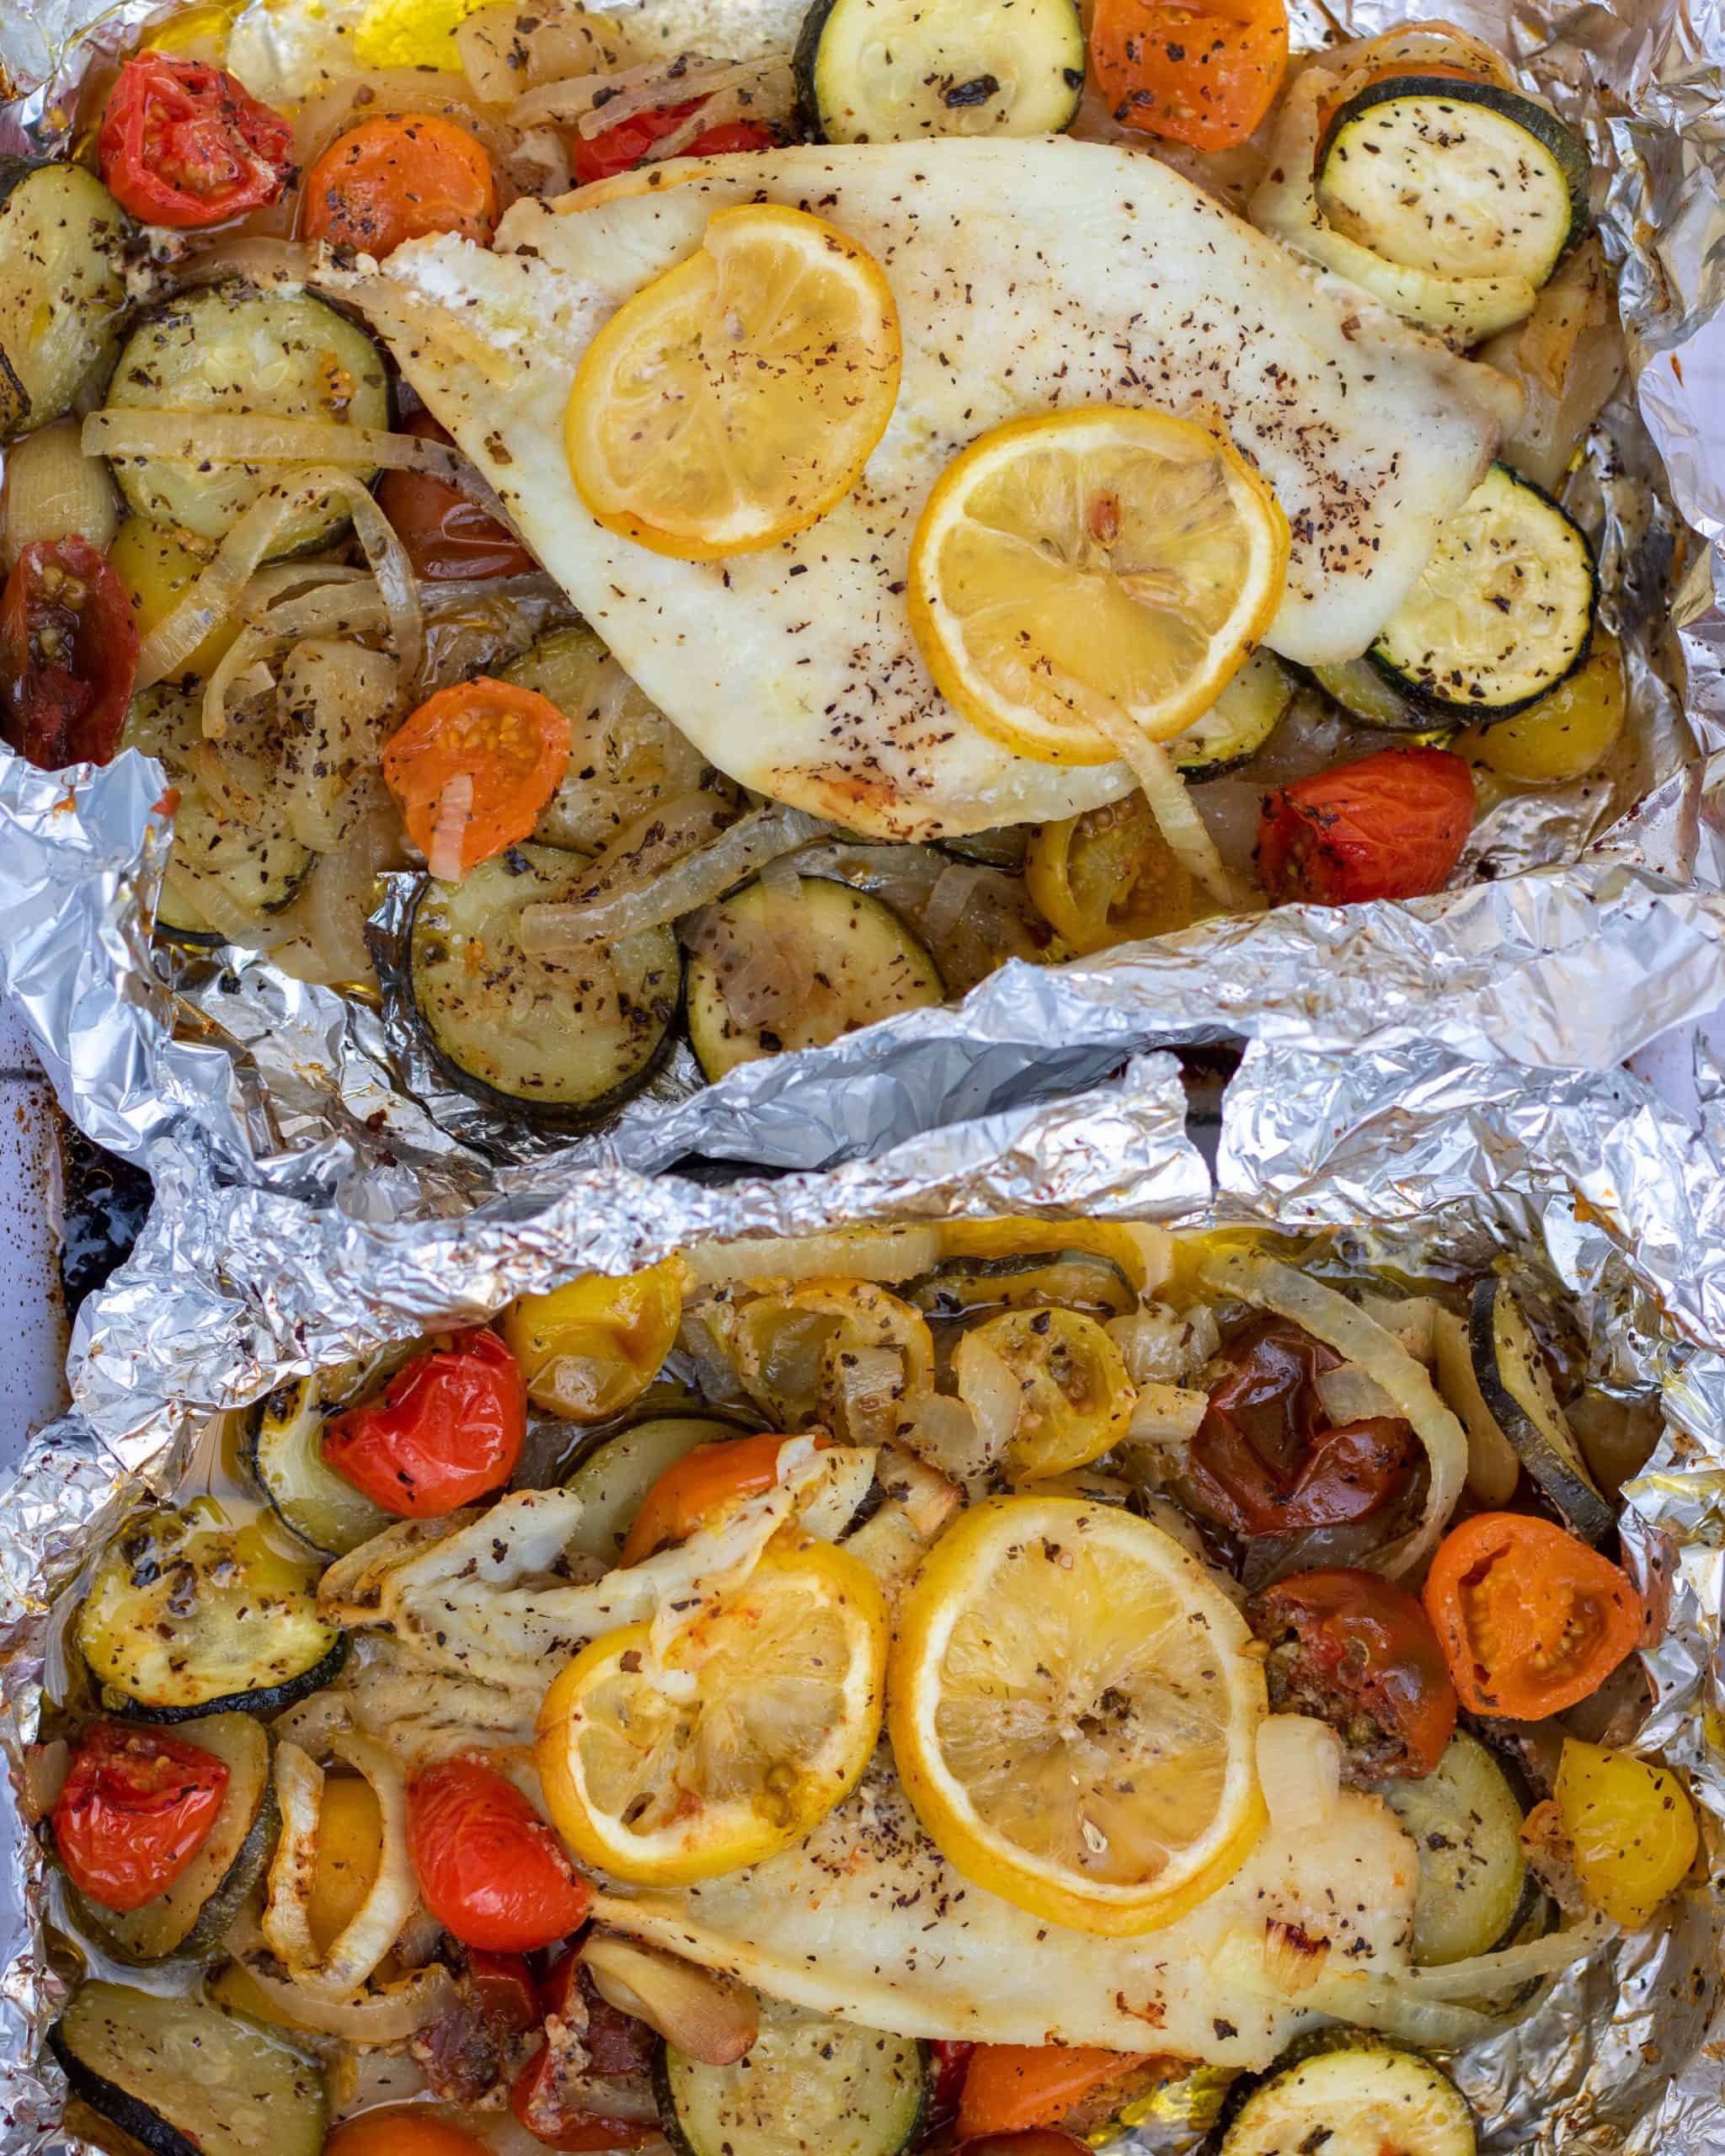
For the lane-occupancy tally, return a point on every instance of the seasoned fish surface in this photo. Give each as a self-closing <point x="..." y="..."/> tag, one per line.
<point x="867" y="1921"/>
<point x="1027" y="275"/>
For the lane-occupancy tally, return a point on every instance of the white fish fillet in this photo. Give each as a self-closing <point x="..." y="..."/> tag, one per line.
<point x="1028" y="275"/>
<point x="867" y="1920"/>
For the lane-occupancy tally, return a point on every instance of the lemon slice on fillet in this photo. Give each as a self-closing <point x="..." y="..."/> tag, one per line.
<point x="1085" y="566"/>
<point x="731" y="1741"/>
<point x="1074" y="1708"/>
<point x="736" y="399"/>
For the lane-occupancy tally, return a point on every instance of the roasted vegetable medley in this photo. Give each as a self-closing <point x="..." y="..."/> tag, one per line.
<point x="896" y="1686"/>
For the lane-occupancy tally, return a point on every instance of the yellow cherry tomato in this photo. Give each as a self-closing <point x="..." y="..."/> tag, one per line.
<point x="155" y="570"/>
<point x="1566" y="735"/>
<point x="1632" y="1826"/>
<point x="586" y="1350"/>
<point x="350" y="1850"/>
<point x="1074" y="1398"/>
<point x="1107" y="876"/>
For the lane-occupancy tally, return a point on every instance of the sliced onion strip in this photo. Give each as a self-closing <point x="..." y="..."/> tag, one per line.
<point x="1176" y="818"/>
<point x="389" y="2016"/>
<point x="1332" y="1318"/>
<point x="393" y="1896"/>
<point x="703" y="2016"/>
<point x="253" y="438"/>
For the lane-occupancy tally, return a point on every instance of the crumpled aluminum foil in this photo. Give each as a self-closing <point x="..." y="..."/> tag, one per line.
<point x="267" y="1067"/>
<point x="1601" y="1192"/>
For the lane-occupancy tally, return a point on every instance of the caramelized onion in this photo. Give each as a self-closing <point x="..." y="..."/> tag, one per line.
<point x="704" y="2016"/>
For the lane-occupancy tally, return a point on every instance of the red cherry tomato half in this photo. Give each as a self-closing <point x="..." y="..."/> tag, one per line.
<point x="630" y="142"/>
<point x="490" y="1870"/>
<point x="508" y="1998"/>
<point x="446" y="533"/>
<point x="134" y="1812"/>
<point x="952" y="2063"/>
<point x="1360" y="1654"/>
<point x="68" y="655"/>
<point x="187" y="145"/>
<point x="448" y="1430"/>
<point x="1391" y="826"/>
<point x="1267" y="1461"/>
<point x="615" y="2042"/>
<point x="539" y="2100"/>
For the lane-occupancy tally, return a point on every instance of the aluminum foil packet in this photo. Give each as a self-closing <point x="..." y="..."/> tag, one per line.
<point x="266" y="1067"/>
<point x="1592" y="1186"/>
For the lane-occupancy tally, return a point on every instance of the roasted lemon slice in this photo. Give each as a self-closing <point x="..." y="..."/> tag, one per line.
<point x="738" y="398"/>
<point x="1082" y="567"/>
<point x="729" y="1741"/>
<point x="1074" y="1711"/>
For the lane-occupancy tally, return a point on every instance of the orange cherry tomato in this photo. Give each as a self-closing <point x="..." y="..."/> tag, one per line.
<point x="445" y="533"/>
<point x="1204" y="74"/>
<point x="397" y="179"/>
<point x="710" y="1479"/>
<point x="473" y="769"/>
<point x="408" y="2131"/>
<point x="447" y="1430"/>
<point x="490" y="1870"/>
<point x="134" y="1810"/>
<point x="1009" y="2086"/>
<point x="1530" y="1620"/>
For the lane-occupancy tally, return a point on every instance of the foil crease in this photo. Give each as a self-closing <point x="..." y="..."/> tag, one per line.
<point x="267" y="1067"/>
<point x="1586" y="1183"/>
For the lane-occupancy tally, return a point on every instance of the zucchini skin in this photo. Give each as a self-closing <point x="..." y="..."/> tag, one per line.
<point x="805" y="59"/>
<point x="1584" y="1512"/>
<point x="109" y="2101"/>
<point x="15" y="402"/>
<point x="267" y="1699"/>
<point x="215" y="1919"/>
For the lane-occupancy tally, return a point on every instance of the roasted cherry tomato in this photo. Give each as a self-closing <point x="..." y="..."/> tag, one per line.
<point x="1267" y="1461"/>
<point x="1009" y="2086"/>
<point x="952" y="2063"/>
<point x="473" y="769"/>
<point x="1107" y="876"/>
<point x="448" y="1429"/>
<point x="490" y="1870"/>
<point x="584" y="2036"/>
<point x="410" y="2130"/>
<point x="505" y="1987"/>
<point x="136" y="1808"/>
<point x="630" y="142"/>
<point x="187" y="145"/>
<point x="1360" y="1654"/>
<point x="1204" y="74"/>
<point x="399" y="178"/>
<point x="545" y="2099"/>
<point x="446" y="534"/>
<point x="1391" y="826"/>
<point x="590" y="1347"/>
<point x="1530" y="1620"/>
<point x="1630" y="1828"/>
<point x="711" y="1480"/>
<point x="68" y="655"/>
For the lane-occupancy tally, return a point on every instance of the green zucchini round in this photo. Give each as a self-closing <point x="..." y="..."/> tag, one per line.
<point x="1349" y="2095"/>
<point x="810" y="2086"/>
<point x="321" y="1508"/>
<point x="1476" y="1889"/>
<point x="1516" y="1389"/>
<point x="902" y="71"/>
<point x="62" y="286"/>
<point x="1237" y="724"/>
<point x="1503" y="611"/>
<point x="552" y="1039"/>
<point x="1074" y="1279"/>
<point x="230" y="349"/>
<point x="1455" y="178"/>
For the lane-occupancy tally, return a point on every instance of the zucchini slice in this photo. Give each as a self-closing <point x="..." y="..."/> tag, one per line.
<point x="1504" y="612"/>
<point x="1475" y="1886"/>
<point x="616" y="1475"/>
<point x="973" y="1287"/>
<point x="232" y="349"/>
<point x="1516" y="1387"/>
<point x="624" y="753"/>
<point x="284" y="1453"/>
<point x="900" y="71"/>
<point x="809" y="2087"/>
<point x="865" y="965"/>
<point x="1455" y="178"/>
<point x="181" y="2078"/>
<point x="1237" y="724"/>
<point x="561" y="1040"/>
<point x="259" y="864"/>
<point x="1371" y="697"/>
<point x="1357" y="2099"/>
<point x="62" y="285"/>
<point x="195" y="1914"/>
<point x="188" y="1616"/>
